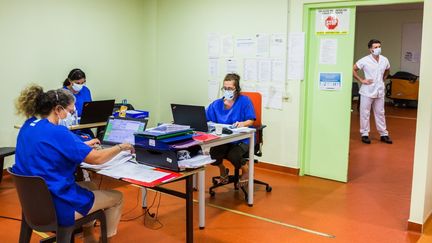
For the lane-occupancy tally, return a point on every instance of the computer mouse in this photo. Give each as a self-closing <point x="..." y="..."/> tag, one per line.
<point x="226" y="131"/>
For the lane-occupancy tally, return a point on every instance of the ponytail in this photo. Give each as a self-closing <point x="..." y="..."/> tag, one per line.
<point x="34" y="101"/>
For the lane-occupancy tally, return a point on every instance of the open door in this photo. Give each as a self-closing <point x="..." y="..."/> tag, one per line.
<point x="327" y="91"/>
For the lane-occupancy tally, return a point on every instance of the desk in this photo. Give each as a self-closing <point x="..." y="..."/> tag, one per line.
<point x="79" y="126"/>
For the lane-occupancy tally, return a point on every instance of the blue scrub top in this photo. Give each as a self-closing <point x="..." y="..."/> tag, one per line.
<point x="53" y="153"/>
<point x="241" y="110"/>
<point x="83" y="96"/>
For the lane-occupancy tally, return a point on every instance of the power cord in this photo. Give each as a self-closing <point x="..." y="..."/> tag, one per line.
<point x="6" y="217"/>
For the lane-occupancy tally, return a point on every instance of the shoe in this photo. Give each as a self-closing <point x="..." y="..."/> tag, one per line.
<point x="365" y="139"/>
<point x="386" y="139"/>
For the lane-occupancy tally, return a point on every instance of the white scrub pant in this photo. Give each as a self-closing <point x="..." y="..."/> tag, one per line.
<point x="377" y="104"/>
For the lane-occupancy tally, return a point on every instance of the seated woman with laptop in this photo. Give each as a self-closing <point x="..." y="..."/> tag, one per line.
<point x="232" y="108"/>
<point x="53" y="152"/>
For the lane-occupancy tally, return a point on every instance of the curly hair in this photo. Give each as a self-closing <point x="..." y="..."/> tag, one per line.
<point x="34" y="101"/>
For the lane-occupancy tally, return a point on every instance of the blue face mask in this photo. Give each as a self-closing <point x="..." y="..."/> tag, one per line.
<point x="69" y="120"/>
<point x="229" y="94"/>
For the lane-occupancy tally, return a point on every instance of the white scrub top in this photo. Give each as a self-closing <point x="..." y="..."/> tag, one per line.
<point x="373" y="70"/>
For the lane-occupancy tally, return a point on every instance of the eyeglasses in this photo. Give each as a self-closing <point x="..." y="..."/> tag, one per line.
<point x="227" y="89"/>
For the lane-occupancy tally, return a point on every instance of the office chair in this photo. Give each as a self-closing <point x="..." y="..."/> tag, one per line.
<point x="355" y="93"/>
<point x="4" y="152"/>
<point x="233" y="179"/>
<point x="38" y="212"/>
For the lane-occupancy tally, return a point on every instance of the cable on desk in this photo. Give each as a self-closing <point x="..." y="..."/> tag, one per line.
<point x="6" y="217"/>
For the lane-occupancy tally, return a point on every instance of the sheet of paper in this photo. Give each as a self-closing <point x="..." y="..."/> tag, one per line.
<point x="196" y="161"/>
<point x="264" y="90"/>
<point x="264" y="70"/>
<point x="296" y="56"/>
<point x="213" y="89"/>
<point x="227" y="46"/>
<point x="248" y="86"/>
<point x="278" y="45"/>
<point x="328" y="51"/>
<point x="275" y="96"/>
<point x="213" y="45"/>
<point x="278" y="71"/>
<point x="213" y="68"/>
<point x="250" y="69"/>
<point x="134" y="171"/>
<point x="119" y="159"/>
<point x="231" y="66"/>
<point x="246" y="47"/>
<point x="263" y="45"/>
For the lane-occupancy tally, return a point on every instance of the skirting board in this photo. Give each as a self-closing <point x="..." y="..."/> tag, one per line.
<point x="288" y="170"/>
<point x="416" y="227"/>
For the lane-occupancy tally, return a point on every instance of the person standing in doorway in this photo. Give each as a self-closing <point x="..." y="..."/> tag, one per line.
<point x="376" y="68"/>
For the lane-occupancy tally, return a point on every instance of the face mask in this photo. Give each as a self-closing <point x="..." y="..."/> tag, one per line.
<point x="376" y="51"/>
<point x="77" y="87"/>
<point x="69" y="120"/>
<point x="228" y="94"/>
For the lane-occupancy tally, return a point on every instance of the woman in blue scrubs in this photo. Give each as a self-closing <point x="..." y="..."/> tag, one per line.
<point x="75" y="83"/>
<point x="232" y="108"/>
<point x="52" y="152"/>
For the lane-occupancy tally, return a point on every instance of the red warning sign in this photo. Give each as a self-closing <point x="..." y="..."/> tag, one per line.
<point x="331" y="22"/>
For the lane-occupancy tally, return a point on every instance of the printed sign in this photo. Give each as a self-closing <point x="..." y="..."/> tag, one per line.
<point x="332" y="21"/>
<point x="330" y="81"/>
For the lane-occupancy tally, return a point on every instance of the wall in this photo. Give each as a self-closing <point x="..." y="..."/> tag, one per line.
<point x="182" y="60"/>
<point x="112" y="41"/>
<point x="375" y="25"/>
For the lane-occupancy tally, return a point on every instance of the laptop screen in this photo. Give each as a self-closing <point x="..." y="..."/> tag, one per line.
<point x="121" y="130"/>
<point x="191" y="115"/>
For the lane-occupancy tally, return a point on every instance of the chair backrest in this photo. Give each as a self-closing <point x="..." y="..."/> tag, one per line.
<point x="257" y="103"/>
<point x="36" y="202"/>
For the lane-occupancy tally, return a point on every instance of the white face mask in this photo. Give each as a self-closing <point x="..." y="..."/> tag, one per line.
<point x="376" y="51"/>
<point x="69" y="120"/>
<point x="77" y="87"/>
<point x="228" y="94"/>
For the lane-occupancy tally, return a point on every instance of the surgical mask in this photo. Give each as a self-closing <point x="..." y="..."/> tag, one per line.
<point x="69" y="120"/>
<point x="228" y="94"/>
<point x="77" y="87"/>
<point x="376" y="51"/>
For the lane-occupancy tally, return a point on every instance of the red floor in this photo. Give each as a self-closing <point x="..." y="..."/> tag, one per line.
<point x="372" y="207"/>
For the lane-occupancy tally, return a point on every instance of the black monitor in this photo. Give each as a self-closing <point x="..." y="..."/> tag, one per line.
<point x="191" y="115"/>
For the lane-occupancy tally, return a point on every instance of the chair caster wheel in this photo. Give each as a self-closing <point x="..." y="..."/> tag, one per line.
<point x="212" y="194"/>
<point x="268" y="188"/>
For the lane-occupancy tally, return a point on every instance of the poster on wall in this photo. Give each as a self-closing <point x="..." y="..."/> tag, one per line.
<point x="330" y="81"/>
<point x="332" y="21"/>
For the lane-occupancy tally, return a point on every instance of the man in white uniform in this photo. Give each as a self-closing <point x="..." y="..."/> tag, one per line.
<point x="376" y="68"/>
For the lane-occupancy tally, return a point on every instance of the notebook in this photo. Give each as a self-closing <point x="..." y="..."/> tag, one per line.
<point x="191" y="115"/>
<point x="96" y="111"/>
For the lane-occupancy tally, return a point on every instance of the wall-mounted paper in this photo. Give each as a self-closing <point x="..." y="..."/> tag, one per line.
<point x="213" y="89"/>
<point x="250" y="70"/>
<point x="275" y="96"/>
<point x="213" y="45"/>
<point x="278" y="70"/>
<point x="227" y="46"/>
<point x="213" y="68"/>
<point x="248" y="86"/>
<point x="264" y="70"/>
<point x="296" y="56"/>
<point x="231" y="66"/>
<point x="246" y="47"/>
<point x="278" y="45"/>
<point x="330" y="81"/>
<point x="328" y="51"/>
<point x="263" y="45"/>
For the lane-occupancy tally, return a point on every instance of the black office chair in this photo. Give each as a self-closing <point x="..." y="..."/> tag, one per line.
<point x="355" y="93"/>
<point x="4" y="152"/>
<point x="38" y="212"/>
<point x="233" y="179"/>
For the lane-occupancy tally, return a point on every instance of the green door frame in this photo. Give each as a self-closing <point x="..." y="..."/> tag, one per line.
<point x="304" y="85"/>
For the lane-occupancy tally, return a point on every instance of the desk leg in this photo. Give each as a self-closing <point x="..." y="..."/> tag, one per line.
<point x="251" y="170"/>
<point x="2" y="159"/>
<point x="189" y="209"/>
<point x="201" y="198"/>
<point x="144" y="197"/>
<point x="194" y="181"/>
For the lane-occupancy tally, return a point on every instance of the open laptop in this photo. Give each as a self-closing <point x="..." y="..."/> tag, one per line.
<point x="191" y="115"/>
<point x="121" y="130"/>
<point x="96" y="111"/>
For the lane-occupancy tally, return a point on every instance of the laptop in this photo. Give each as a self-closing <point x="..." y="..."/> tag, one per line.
<point x="96" y="111"/>
<point x="191" y="115"/>
<point x="121" y="130"/>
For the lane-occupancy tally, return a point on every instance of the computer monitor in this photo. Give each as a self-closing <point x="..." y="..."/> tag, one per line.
<point x="191" y="115"/>
<point x="121" y="130"/>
